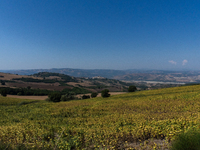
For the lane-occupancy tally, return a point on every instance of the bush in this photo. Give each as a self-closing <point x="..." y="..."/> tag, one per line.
<point x="47" y="99"/>
<point x="55" y="96"/>
<point x="85" y="96"/>
<point x="105" y="93"/>
<point x="94" y="94"/>
<point x="68" y="96"/>
<point x="3" y="92"/>
<point x="3" y="82"/>
<point x="132" y="88"/>
<point x="187" y="141"/>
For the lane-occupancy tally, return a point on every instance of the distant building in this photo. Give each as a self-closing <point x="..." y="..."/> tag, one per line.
<point x="98" y="77"/>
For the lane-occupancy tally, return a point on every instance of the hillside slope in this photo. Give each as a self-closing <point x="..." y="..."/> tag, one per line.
<point x="117" y="122"/>
<point x="60" y="82"/>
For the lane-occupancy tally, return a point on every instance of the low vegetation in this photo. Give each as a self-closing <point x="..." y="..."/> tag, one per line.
<point x="117" y="122"/>
<point x="189" y="140"/>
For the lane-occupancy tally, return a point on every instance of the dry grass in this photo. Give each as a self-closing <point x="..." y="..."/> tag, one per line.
<point x="8" y="76"/>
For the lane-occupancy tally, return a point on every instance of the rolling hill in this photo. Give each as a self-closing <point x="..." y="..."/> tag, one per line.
<point x="59" y="82"/>
<point x="140" y="120"/>
<point x="128" y="75"/>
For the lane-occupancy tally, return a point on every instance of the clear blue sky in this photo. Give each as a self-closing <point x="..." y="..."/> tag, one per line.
<point x="100" y="34"/>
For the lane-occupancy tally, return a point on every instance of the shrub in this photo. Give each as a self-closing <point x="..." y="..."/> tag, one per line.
<point x="47" y="99"/>
<point x="55" y="96"/>
<point x="187" y="141"/>
<point x="132" y="88"/>
<point x="68" y="96"/>
<point x="94" y="94"/>
<point x="3" y="82"/>
<point x="85" y="96"/>
<point x="3" y="92"/>
<point x="20" y="93"/>
<point x="105" y="93"/>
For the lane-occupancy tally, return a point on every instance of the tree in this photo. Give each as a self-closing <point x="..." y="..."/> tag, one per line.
<point x="132" y="88"/>
<point x="55" y="96"/>
<point x="68" y="96"/>
<point x="105" y="93"/>
<point x="3" y="92"/>
<point x="3" y="82"/>
<point x="85" y="96"/>
<point x="94" y="94"/>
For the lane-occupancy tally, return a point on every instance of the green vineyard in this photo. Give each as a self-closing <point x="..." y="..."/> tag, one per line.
<point x="117" y="122"/>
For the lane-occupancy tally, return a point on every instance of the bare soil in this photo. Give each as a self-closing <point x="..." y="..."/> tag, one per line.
<point x="29" y="97"/>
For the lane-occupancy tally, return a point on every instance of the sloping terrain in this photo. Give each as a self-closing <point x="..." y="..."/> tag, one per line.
<point x="143" y="120"/>
<point x="128" y="75"/>
<point x="59" y="82"/>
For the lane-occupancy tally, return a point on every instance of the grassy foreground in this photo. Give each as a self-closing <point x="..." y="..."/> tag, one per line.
<point x="99" y="123"/>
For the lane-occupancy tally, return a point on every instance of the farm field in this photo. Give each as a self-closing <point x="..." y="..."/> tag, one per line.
<point x="140" y="120"/>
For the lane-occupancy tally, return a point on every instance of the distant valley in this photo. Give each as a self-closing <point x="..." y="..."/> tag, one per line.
<point x="43" y="82"/>
<point x="147" y="78"/>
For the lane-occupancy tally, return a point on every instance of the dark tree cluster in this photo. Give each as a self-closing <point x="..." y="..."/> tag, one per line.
<point x="24" y="91"/>
<point x="85" y="96"/>
<point x="132" y="88"/>
<point x="55" y="97"/>
<point x="3" y="82"/>
<point x="94" y="94"/>
<point x="105" y="93"/>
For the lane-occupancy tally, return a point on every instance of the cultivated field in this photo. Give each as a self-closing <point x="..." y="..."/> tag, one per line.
<point x="142" y="120"/>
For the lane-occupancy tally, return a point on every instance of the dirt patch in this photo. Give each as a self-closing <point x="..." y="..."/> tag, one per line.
<point x="29" y="97"/>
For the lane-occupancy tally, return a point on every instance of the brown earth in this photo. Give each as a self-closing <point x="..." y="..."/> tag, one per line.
<point x="8" y="76"/>
<point x="29" y="97"/>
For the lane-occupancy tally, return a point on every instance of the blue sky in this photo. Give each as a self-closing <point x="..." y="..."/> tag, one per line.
<point x="100" y="34"/>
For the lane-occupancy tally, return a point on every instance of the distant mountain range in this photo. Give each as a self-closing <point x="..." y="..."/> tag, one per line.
<point x="126" y="75"/>
<point x="107" y="73"/>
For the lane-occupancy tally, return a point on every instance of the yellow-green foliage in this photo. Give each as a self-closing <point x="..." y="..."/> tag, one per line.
<point x="100" y="122"/>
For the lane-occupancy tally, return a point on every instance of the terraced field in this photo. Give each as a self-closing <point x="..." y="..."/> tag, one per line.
<point x="140" y="120"/>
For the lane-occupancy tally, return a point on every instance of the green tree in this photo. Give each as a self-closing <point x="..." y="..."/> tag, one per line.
<point x="3" y="82"/>
<point x="69" y="96"/>
<point x="55" y="97"/>
<point x="132" y="88"/>
<point x="3" y="92"/>
<point x="105" y="93"/>
<point x="94" y="94"/>
<point x="85" y="96"/>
